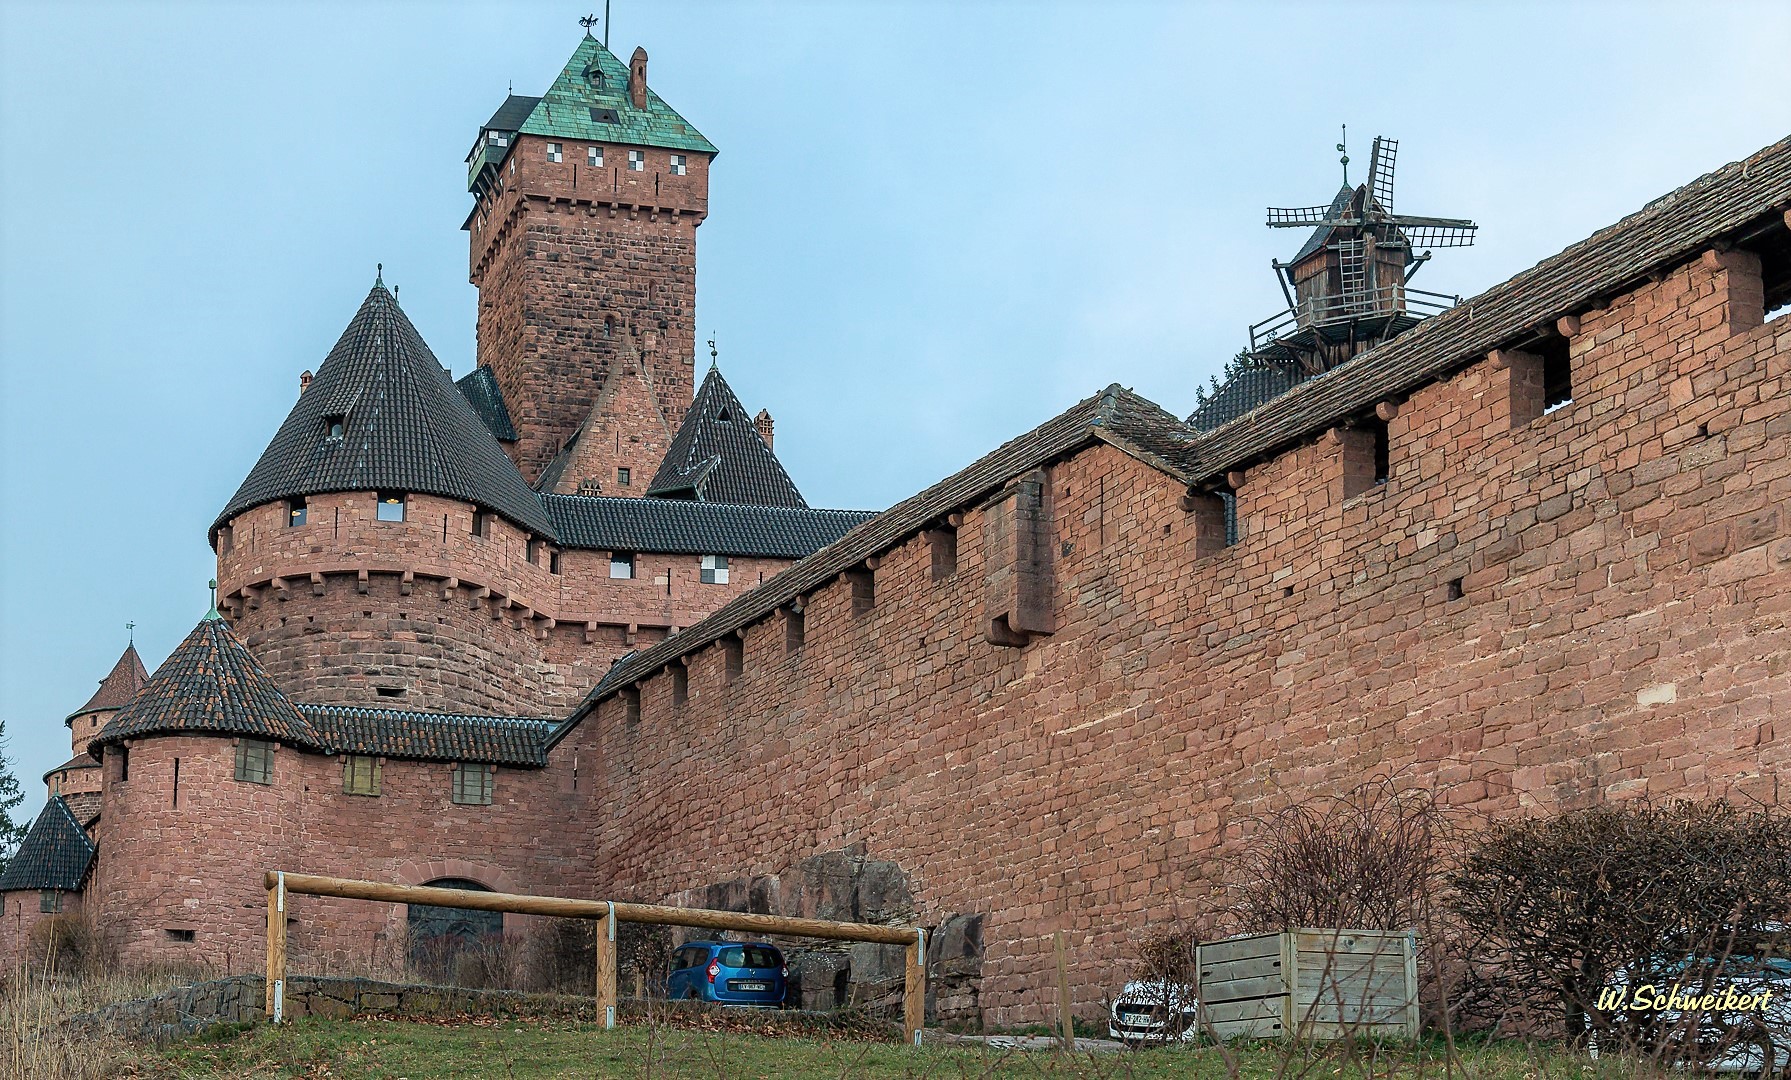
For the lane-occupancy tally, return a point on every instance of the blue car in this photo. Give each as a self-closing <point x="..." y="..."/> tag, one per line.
<point x="727" y="972"/>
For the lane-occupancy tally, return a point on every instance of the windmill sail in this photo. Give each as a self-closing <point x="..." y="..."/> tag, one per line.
<point x="1380" y="172"/>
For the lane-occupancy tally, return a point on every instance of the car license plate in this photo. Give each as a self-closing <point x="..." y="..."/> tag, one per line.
<point x="754" y="986"/>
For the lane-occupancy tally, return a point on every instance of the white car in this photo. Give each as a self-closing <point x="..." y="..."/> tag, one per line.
<point x="1753" y="1039"/>
<point x="1154" y="1011"/>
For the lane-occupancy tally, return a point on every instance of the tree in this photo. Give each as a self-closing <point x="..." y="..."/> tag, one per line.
<point x="11" y="796"/>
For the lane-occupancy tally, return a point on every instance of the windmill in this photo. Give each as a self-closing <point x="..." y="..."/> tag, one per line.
<point x="1346" y="288"/>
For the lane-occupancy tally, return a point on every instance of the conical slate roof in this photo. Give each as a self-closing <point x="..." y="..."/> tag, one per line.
<point x="719" y="456"/>
<point x="405" y="427"/>
<point x="117" y="688"/>
<point x="211" y="685"/>
<point x="55" y="854"/>
<point x="1345" y="195"/>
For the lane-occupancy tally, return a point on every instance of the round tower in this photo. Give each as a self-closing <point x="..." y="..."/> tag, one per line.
<point x="384" y="550"/>
<point x="78" y="778"/>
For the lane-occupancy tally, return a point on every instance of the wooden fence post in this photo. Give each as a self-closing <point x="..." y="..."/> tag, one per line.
<point x="914" y="989"/>
<point x="606" y="969"/>
<point x="1063" y="995"/>
<point x="276" y="949"/>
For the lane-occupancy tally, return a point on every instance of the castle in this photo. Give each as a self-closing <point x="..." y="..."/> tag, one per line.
<point x="567" y="627"/>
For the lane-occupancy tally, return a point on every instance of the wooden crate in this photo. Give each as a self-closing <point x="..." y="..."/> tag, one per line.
<point x="1310" y="984"/>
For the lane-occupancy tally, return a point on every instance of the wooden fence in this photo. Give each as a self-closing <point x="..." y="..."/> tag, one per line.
<point x="281" y="884"/>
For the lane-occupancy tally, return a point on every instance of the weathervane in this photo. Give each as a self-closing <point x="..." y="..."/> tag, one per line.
<point x="712" y="353"/>
<point x="131" y="629"/>
<point x="1343" y="148"/>
<point x="587" y="22"/>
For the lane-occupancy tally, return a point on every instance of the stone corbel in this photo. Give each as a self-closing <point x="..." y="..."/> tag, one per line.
<point x="316" y="583"/>
<point x="590" y="633"/>
<point x="280" y="591"/>
<point x="406" y="582"/>
<point x="450" y="587"/>
<point x="360" y="582"/>
<point x="634" y="630"/>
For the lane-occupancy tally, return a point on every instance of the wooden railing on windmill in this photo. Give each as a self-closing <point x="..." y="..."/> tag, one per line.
<point x="282" y="885"/>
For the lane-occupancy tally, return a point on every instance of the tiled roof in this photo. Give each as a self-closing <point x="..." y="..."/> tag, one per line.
<point x="1116" y="416"/>
<point x="718" y="455"/>
<point x="1316" y="241"/>
<point x="1244" y="390"/>
<point x="1740" y="197"/>
<point x="511" y="114"/>
<point x="406" y="428"/>
<point x="481" y="390"/>
<point x="399" y="733"/>
<point x="679" y="526"/>
<point x="573" y="106"/>
<point x="55" y="854"/>
<point x="210" y="684"/>
<point x="118" y="687"/>
<point x="79" y="761"/>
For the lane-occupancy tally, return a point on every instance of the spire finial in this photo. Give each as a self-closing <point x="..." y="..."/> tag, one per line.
<point x="712" y="353"/>
<point x="212" y="615"/>
<point x="587" y="22"/>
<point x="131" y="629"/>
<point x="1343" y="148"/>
<point x="379" y="275"/>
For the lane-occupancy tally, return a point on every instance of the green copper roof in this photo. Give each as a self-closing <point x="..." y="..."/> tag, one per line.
<point x="566" y="109"/>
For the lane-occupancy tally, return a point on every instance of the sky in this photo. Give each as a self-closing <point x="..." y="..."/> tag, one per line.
<point x="932" y="225"/>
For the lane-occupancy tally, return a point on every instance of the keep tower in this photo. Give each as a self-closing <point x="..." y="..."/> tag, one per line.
<point x="583" y="248"/>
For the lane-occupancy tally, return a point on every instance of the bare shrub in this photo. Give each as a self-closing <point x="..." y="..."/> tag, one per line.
<point x="68" y="944"/>
<point x="1676" y="893"/>
<point x="1369" y="860"/>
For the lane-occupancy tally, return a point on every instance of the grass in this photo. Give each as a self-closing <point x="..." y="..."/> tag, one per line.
<point x="484" y="1049"/>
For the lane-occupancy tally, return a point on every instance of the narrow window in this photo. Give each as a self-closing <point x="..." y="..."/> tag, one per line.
<point x="680" y="686"/>
<point x="227" y="539"/>
<point x="631" y="704"/>
<point x="621" y="565"/>
<point x="733" y="658"/>
<point x="863" y="582"/>
<point x="360" y="774"/>
<point x="678" y="165"/>
<point x="532" y="551"/>
<point x="943" y="544"/>
<point x="553" y="562"/>
<point x="637" y="161"/>
<point x="1455" y="592"/>
<point x="1232" y="532"/>
<point x="1365" y="457"/>
<point x="715" y="570"/>
<point x="1383" y="458"/>
<point x="793" y="629"/>
<point x="389" y="691"/>
<point x="180" y="935"/>
<point x="594" y="154"/>
<point x="295" y="511"/>
<point x="124" y="764"/>
<point x="255" y="761"/>
<point x="49" y="901"/>
<point x="174" y="796"/>
<point x="481" y="523"/>
<point x="333" y="426"/>
<point x="391" y="506"/>
<point x="553" y="151"/>
<point x="624" y="477"/>
<point x="1557" y="378"/>
<point x="609" y="326"/>
<point x="472" y="784"/>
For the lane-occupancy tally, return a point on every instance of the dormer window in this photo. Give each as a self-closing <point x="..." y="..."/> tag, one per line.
<point x="391" y="506"/>
<point x="333" y="425"/>
<point x="553" y="151"/>
<point x="497" y="138"/>
<point x="594" y="156"/>
<point x="724" y="416"/>
<point x="679" y="167"/>
<point x="295" y="511"/>
<point x="637" y="161"/>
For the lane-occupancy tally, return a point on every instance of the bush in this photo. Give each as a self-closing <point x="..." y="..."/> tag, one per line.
<point x="67" y="944"/>
<point x="1564" y="904"/>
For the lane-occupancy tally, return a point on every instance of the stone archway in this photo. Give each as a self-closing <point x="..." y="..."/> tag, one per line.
<point x="457" y="946"/>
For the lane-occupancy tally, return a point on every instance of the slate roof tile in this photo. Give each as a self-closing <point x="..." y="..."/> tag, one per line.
<point x="211" y="684"/>
<point x="55" y="854"/>
<point x="406" y="428"/>
<point x="1243" y="392"/>
<point x="719" y="456"/>
<point x="117" y="688"/>
<point x="400" y="733"/>
<point x="680" y="526"/>
<point x="481" y="390"/>
<point x="567" y="108"/>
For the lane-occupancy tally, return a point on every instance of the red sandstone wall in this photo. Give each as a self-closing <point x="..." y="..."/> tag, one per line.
<point x="559" y="248"/>
<point x="1625" y="565"/>
<point x="457" y="622"/>
<point x="195" y="862"/>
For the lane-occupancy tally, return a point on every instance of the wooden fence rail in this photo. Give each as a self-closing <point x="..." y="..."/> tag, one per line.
<point x="281" y="884"/>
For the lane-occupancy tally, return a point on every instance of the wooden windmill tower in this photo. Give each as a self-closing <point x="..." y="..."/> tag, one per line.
<point x="1347" y="287"/>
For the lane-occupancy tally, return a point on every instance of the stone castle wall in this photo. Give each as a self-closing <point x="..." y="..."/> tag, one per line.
<point x="439" y="618"/>
<point x="1592" y="604"/>
<point x="580" y="269"/>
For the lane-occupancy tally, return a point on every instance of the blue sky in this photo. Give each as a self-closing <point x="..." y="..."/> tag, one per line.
<point x="932" y="225"/>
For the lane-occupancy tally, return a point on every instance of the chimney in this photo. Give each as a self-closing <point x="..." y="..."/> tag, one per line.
<point x="304" y="381"/>
<point x="637" y="78"/>
<point x="763" y="423"/>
